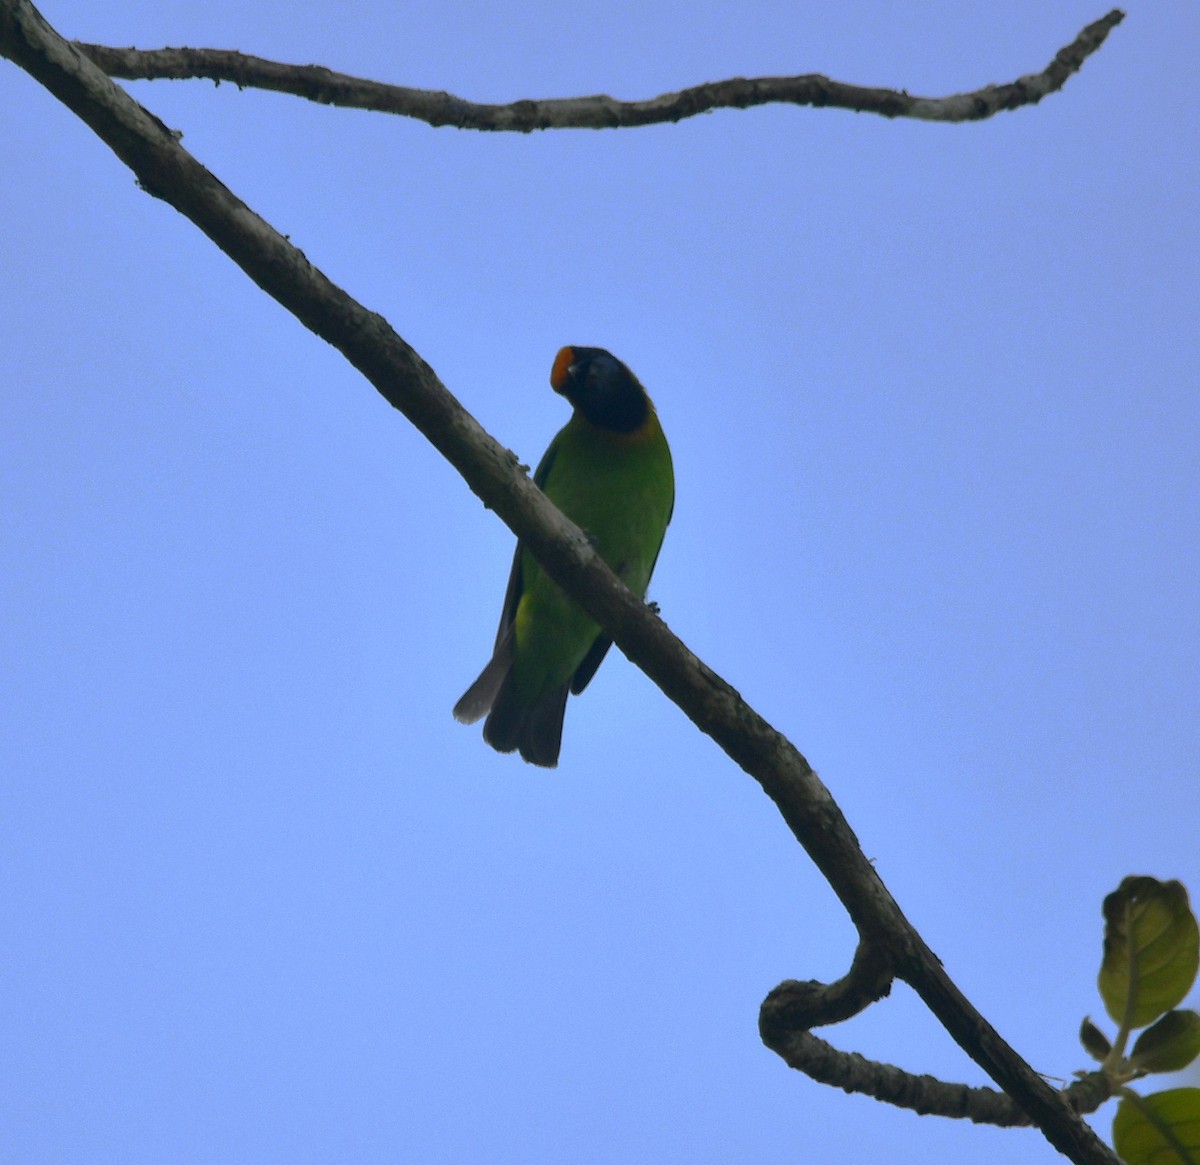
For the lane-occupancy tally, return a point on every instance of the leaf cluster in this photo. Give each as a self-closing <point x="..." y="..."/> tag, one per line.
<point x="1151" y="957"/>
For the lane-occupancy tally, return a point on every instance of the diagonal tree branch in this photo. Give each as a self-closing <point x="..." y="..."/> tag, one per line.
<point x="168" y="172"/>
<point x="601" y="111"/>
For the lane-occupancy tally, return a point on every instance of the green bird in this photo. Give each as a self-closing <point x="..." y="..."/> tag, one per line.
<point x="609" y="470"/>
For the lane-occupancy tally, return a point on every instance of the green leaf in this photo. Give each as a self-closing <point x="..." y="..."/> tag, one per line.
<point x="1151" y="950"/>
<point x="1163" y="1129"/>
<point x="1171" y="1044"/>
<point x="1094" y="1041"/>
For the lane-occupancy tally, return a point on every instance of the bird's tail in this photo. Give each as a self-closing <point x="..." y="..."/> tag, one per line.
<point x="514" y="724"/>
<point x="478" y="699"/>
<point x="533" y="729"/>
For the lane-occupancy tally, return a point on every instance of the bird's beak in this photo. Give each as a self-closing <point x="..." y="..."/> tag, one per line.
<point x="563" y="371"/>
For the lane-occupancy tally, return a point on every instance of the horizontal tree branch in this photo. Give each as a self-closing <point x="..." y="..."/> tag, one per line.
<point x="794" y="1007"/>
<point x="925" y="1095"/>
<point x="167" y="171"/>
<point x="601" y="111"/>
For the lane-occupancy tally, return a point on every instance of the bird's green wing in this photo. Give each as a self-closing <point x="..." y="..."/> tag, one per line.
<point x="515" y="588"/>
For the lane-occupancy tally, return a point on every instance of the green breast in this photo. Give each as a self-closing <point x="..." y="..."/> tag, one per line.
<point x="620" y="489"/>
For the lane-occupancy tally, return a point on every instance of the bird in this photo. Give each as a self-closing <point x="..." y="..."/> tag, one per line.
<point x="609" y="470"/>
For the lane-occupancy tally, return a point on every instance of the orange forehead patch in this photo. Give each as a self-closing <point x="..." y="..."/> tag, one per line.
<point x="558" y="372"/>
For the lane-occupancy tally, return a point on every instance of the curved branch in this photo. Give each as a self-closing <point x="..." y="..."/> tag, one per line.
<point x="796" y="1006"/>
<point x="601" y="111"/>
<point x="167" y="171"/>
<point x="792" y="1008"/>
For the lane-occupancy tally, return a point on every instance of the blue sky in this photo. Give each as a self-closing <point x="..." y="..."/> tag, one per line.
<point x="932" y="397"/>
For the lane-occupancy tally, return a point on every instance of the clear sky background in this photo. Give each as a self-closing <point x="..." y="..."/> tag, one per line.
<point x="932" y="396"/>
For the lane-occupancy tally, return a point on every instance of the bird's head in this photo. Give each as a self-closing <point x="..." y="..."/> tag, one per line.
<point x="600" y="387"/>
